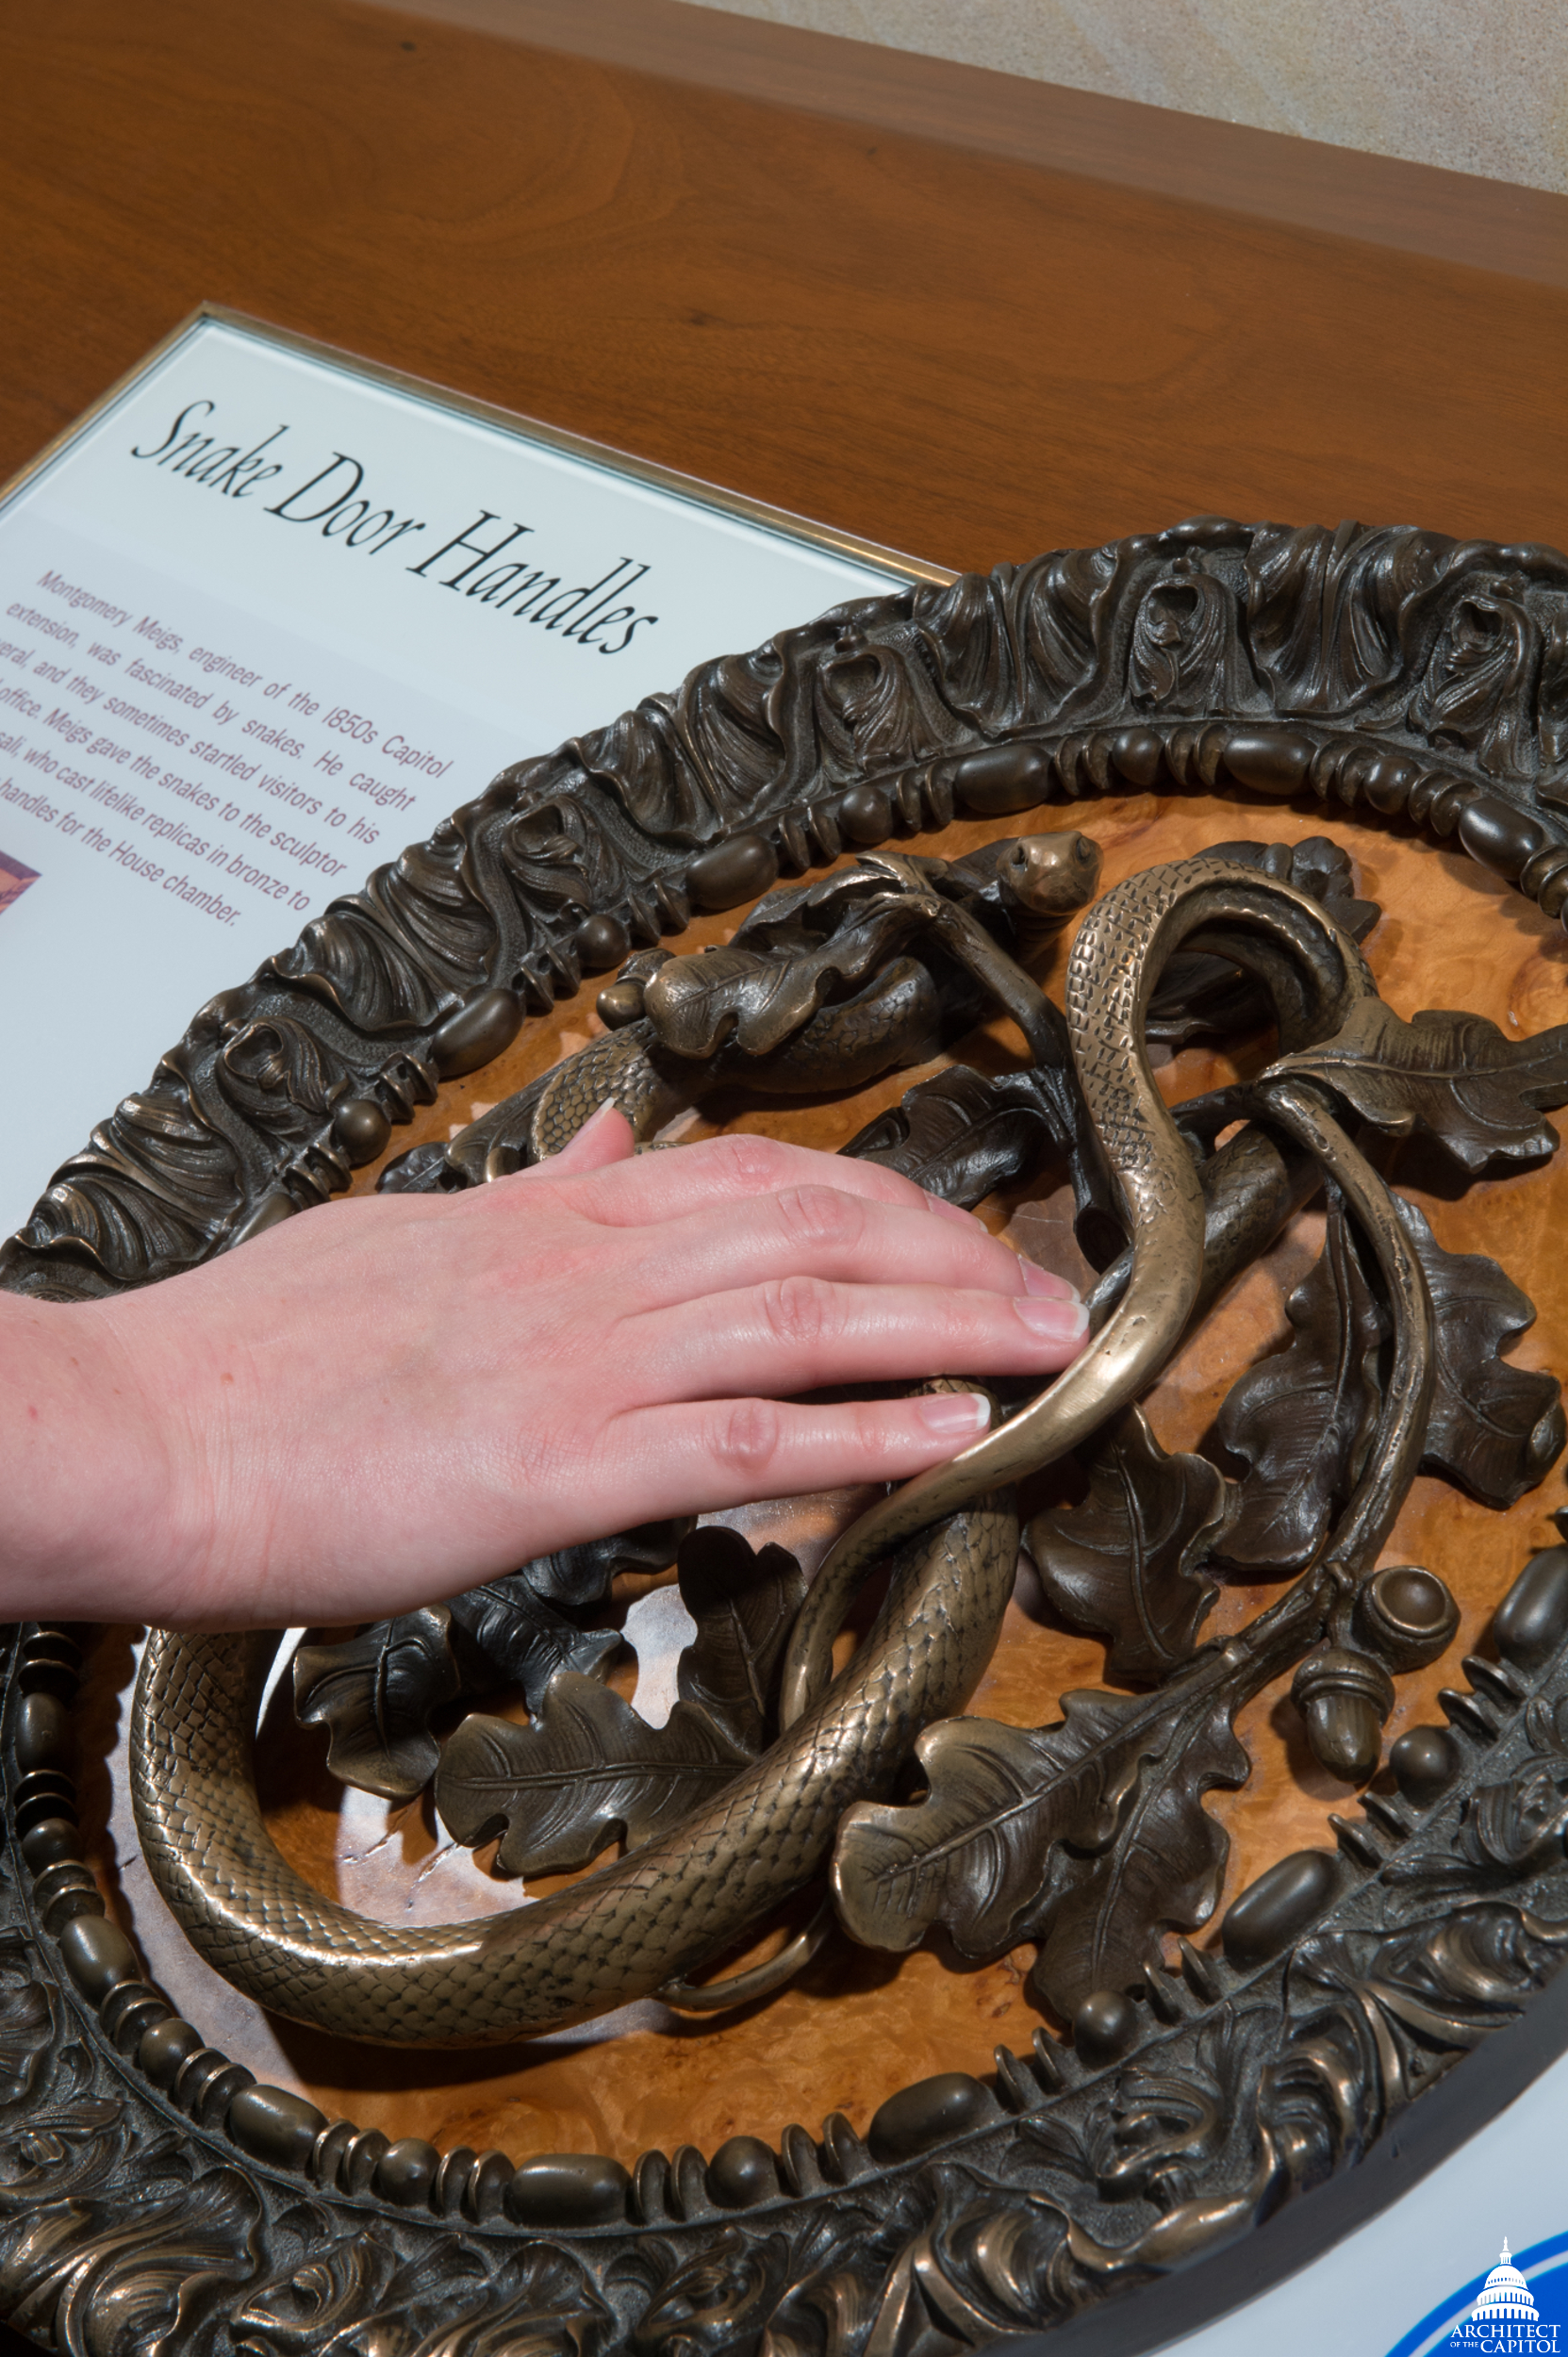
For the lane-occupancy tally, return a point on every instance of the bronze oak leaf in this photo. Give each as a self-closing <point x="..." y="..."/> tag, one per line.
<point x="1127" y="1562"/>
<point x="375" y="1693"/>
<point x="582" y="1575"/>
<point x="585" y="1771"/>
<point x="1088" y="1836"/>
<point x="1303" y="1420"/>
<point x="760" y="998"/>
<point x="521" y="1636"/>
<point x="962" y="1135"/>
<point x="1446" y="1076"/>
<point x="744" y="1602"/>
<point x="1494" y="1430"/>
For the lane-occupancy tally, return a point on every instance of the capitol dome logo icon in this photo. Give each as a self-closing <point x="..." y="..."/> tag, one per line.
<point x="1507" y="2296"/>
<point x="1505" y="2321"/>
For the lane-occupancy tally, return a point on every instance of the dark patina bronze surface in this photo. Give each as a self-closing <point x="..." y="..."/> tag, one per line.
<point x="1199" y="2088"/>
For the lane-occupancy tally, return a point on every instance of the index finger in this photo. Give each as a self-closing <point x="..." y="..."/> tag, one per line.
<point x="688" y="1178"/>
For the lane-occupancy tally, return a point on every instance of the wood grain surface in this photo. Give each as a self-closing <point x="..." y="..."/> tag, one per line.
<point x="948" y="351"/>
<point x="1494" y="225"/>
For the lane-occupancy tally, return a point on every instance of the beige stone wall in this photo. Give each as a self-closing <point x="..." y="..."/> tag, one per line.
<point x="1475" y="85"/>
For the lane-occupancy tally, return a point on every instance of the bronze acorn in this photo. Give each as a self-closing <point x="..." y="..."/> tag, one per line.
<point x="1402" y="1616"/>
<point x="1405" y="1615"/>
<point x="1344" y="1698"/>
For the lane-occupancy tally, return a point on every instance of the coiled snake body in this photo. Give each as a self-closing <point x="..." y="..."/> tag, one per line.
<point x="624" y="1931"/>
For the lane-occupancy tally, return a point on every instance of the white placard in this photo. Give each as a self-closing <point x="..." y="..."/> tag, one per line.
<point x="267" y="618"/>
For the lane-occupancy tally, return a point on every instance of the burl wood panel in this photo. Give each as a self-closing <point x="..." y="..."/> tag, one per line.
<point x="858" y="2025"/>
<point x="953" y="353"/>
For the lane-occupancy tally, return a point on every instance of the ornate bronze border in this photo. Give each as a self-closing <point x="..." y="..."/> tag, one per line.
<point x="143" y="2177"/>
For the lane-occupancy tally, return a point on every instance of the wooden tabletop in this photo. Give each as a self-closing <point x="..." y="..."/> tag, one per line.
<point x="956" y="352"/>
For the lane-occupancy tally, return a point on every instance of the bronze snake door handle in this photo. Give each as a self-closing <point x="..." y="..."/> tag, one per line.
<point x="626" y="1931"/>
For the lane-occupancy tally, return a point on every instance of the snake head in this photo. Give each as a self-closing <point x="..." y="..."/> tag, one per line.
<point x="1049" y="877"/>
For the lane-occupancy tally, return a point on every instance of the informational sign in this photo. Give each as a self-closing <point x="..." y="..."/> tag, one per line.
<point x="266" y="617"/>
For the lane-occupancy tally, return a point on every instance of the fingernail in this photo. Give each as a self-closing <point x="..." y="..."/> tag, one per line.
<point x="1053" y="1321"/>
<point x="1040" y="1280"/>
<point x="956" y="1415"/>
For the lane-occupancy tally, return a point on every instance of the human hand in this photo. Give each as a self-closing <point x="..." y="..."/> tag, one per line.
<point x="384" y="1402"/>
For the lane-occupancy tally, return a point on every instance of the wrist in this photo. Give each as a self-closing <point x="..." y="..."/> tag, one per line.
<point x="82" y="1470"/>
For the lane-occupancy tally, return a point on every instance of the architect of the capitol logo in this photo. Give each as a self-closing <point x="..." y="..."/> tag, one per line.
<point x="1505" y="2319"/>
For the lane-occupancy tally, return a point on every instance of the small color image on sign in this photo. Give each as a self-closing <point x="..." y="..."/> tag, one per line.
<point x="14" y="879"/>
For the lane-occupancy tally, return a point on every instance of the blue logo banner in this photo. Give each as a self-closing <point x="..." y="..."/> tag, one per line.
<point x="1519" y="2308"/>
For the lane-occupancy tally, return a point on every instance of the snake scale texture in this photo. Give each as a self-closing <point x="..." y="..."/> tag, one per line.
<point x="618" y="1934"/>
<point x="623" y="1932"/>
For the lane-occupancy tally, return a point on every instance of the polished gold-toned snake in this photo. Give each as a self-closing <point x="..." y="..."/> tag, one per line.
<point x="624" y="1931"/>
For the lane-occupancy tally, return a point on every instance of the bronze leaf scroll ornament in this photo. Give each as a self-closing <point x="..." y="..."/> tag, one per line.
<point x="1395" y="669"/>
